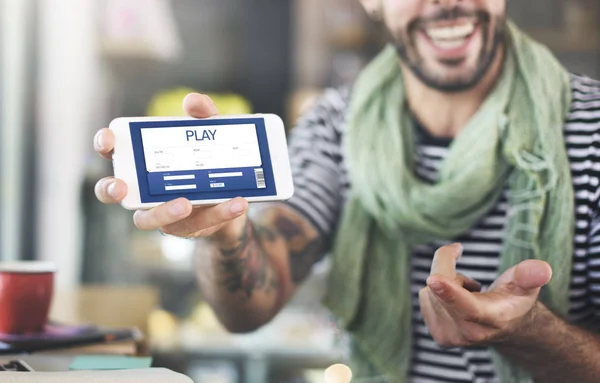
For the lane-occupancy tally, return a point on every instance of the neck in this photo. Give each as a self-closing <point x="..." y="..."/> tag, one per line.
<point x="452" y="111"/>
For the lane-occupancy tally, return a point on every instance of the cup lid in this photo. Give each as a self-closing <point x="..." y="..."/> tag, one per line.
<point x="27" y="267"/>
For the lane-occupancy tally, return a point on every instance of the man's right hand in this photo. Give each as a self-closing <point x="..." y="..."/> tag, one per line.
<point x="250" y="269"/>
<point x="225" y="222"/>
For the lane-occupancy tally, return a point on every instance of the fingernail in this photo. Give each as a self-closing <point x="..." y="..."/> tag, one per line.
<point x="99" y="144"/>
<point x="437" y="287"/>
<point x="112" y="190"/>
<point x="210" y="102"/>
<point x="177" y="209"/>
<point x="456" y="245"/>
<point x="237" y="208"/>
<point x="459" y="248"/>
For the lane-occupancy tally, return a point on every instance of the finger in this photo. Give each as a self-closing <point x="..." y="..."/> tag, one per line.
<point x="104" y="143"/>
<point x="524" y="279"/>
<point x="532" y="274"/>
<point x="468" y="283"/>
<point x="163" y="215"/>
<point x="206" y="218"/>
<point x="444" y="260"/>
<point x="199" y="106"/>
<point x="219" y="214"/>
<point x="454" y="297"/>
<point x="427" y="304"/>
<point x="110" y="190"/>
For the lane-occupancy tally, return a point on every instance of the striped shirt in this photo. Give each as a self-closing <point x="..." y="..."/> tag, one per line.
<point x="322" y="184"/>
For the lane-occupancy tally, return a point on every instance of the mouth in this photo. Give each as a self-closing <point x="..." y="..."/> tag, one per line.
<point x="451" y="39"/>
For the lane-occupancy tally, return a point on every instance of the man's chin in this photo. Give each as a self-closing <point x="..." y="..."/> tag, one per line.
<point x="453" y="78"/>
<point x="449" y="83"/>
<point x="448" y="76"/>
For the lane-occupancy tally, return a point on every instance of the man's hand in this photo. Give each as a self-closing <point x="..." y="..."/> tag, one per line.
<point x="249" y="268"/>
<point x="459" y="315"/>
<point x="225" y="221"/>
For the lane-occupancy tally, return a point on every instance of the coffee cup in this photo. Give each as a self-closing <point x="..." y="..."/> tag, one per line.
<point x="25" y="296"/>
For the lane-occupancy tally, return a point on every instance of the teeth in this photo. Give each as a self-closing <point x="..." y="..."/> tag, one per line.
<point x="451" y="33"/>
<point x="449" y="44"/>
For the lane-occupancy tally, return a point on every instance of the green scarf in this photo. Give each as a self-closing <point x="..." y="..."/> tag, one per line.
<point x="515" y="138"/>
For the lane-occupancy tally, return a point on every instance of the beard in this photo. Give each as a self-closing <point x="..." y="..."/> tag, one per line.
<point x="490" y="49"/>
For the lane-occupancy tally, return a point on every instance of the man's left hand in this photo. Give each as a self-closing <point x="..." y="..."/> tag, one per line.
<point x="459" y="315"/>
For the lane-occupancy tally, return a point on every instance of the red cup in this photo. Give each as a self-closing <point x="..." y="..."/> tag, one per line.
<point x="25" y="296"/>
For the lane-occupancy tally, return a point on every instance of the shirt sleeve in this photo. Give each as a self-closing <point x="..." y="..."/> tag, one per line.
<point x="316" y="159"/>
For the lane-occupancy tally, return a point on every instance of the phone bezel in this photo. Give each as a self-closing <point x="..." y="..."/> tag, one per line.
<point x="125" y="169"/>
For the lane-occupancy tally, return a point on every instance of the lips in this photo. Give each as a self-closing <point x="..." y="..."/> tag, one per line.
<point x="449" y="41"/>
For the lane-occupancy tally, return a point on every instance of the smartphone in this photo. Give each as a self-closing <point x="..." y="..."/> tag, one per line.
<point x="207" y="161"/>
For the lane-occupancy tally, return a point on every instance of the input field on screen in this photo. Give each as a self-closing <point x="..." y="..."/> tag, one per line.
<point x="163" y="156"/>
<point x="225" y="175"/>
<point x="202" y="154"/>
<point x="180" y="187"/>
<point x="180" y="178"/>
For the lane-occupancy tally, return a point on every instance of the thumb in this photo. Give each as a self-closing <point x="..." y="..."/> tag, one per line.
<point x="529" y="276"/>
<point x="199" y="106"/>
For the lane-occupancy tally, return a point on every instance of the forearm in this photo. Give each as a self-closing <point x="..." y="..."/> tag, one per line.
<point x="249" y="276"/>
<point x="239" y="279"/>
<point x="553" y="351"/>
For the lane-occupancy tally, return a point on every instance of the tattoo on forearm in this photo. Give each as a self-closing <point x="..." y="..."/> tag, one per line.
<point x="303" y="251"/>
<point x="245" y="267"/>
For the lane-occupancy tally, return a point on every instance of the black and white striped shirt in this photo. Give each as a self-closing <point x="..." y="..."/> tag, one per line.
<point x="321" y="181"/>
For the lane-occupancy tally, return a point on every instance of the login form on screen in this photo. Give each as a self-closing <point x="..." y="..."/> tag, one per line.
<point x="202" y="159"/>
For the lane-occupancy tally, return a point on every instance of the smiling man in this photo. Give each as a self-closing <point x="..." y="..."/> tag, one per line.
<point x="463" y="130"/>
<point x="447" y="48"/>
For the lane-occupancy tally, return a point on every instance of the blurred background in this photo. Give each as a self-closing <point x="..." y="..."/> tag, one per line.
<point x="70" y="66"/>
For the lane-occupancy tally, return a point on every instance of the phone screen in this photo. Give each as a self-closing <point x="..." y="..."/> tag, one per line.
<point x="202" y="159"/>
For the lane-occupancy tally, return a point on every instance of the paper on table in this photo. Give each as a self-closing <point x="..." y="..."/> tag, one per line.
<point x="151" y="375"/>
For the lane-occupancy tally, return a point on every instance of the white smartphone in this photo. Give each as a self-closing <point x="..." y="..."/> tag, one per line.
<point x="207" y="161"/>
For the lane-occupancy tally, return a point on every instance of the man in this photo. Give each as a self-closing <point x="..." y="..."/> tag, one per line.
<point x="463" y="131"/>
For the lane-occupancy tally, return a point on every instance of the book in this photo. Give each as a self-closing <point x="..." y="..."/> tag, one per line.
<point x="71" y="338"/>
<point x="129" y="348"/>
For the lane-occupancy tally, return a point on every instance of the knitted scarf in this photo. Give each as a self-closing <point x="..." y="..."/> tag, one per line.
<point x="515" y="139"/>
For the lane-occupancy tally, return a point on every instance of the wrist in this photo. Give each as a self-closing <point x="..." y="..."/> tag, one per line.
<point x="530" y="328"/>
<point x="232" y="234"/>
